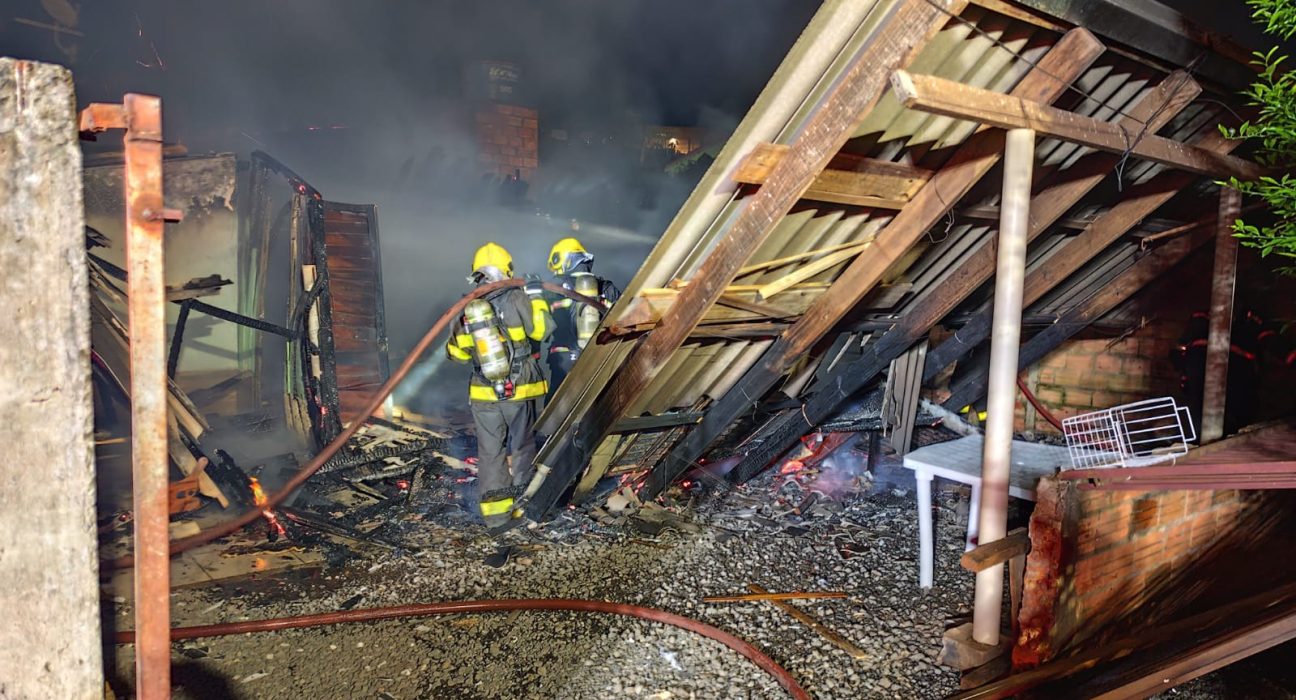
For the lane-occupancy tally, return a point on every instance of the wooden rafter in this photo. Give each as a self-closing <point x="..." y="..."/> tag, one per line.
<point x="945" y="97"/>
<point x="1157" y="108"/>
<point x="896" y="40"/>
<point x="1141" y="201"/>
<point x="848" y="179"/>
<point x="1143" y="272"/>
<point x="1067" y="60"/>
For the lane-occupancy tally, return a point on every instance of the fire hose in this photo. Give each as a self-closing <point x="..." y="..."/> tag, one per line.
<point x="1039" y="407"/>
<point x="745" y="648"/>
<point x="374" y="402"/>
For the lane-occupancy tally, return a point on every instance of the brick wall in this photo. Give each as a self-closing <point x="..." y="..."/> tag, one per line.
<point x="1104" y="563"/>
<point x="507" y="139"/>
<point x="1096" y="373"/>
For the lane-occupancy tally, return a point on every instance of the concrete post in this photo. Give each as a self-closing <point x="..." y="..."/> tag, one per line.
<point x="48" y="550"/>
<point x="1005" y="341"/>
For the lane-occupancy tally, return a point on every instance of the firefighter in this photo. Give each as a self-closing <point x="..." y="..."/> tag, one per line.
<point x="575" y="322"/>
<point x="495" y="335"/>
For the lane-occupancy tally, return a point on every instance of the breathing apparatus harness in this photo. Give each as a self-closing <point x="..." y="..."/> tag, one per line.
<point x="497" y="360"/>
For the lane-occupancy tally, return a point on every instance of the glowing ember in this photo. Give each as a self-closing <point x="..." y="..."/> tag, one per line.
<point x="792" y="466"/>
<point x="402" y="484"/>
<point x="276" y="528"/>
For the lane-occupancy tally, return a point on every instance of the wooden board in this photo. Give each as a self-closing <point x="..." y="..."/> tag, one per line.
<point x="935" y="95"/>
<point x="351" y="259"/>
<point x="848" y="179"/>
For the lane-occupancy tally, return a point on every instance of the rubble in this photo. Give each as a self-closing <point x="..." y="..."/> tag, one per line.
<point x="697" y="542"/>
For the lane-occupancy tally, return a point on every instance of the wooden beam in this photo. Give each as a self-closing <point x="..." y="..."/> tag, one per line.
<point x="1142" y="273"/>
<point x="1157" y="108"/>
<point x="816" y="626"/>
<point x="848" y="179"/>
<point x="934" y="95"/>
<point x="761" y="309"/>
<point x="1109" y="226"/>
<point x="893" y="43"/>
<point x="804" y="273"/>
<point x="795" y="257"/>
<point x="666" y="420"/>
<point x="1067" y="60"/>
<point x="1259" y="609"/>
<point x="736" y="304"/>
<point x="980" y="558"/>
<point x="1223" y="281"/>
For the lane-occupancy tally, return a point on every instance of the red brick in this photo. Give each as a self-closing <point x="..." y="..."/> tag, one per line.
<point x="1109" y="363"/>
<point x="1079" y="361"/>
<point x="1173" y="506"/>
<point x="1146" y="514"/>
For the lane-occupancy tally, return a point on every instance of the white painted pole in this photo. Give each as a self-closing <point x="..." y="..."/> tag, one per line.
<point x="1005" y="341"/>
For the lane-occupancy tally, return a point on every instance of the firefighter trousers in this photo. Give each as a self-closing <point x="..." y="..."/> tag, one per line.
<point x="504" y="429"/>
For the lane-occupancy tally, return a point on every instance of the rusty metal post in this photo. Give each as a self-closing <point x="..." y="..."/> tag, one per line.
<point x="1005" y="341"/>
<point x="141" y="116"/>
<point x="1223" y="280"/>
<point x="146" y="290"/>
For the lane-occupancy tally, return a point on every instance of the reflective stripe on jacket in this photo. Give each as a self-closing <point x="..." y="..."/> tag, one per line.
<point x="524" y="320"/>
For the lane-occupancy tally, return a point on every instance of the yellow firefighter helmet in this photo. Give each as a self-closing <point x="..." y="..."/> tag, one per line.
<point x="566" y="255"/>
<point x="491" y="262"/>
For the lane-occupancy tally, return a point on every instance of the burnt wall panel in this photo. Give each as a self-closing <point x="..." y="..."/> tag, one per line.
<point x="351" y="259"/>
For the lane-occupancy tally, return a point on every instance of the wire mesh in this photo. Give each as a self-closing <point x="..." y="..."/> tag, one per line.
<point x="1131" y="435"/>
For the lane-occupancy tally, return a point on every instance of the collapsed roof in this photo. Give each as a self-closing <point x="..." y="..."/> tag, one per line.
<point x="855" y="207"/>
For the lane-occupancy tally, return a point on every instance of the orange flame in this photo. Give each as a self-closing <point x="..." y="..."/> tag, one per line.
<point x="258" y="493"/>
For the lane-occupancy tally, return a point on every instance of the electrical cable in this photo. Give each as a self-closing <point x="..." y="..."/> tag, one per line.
<point x="375" y="401"/>
<point x="734" y="642"/>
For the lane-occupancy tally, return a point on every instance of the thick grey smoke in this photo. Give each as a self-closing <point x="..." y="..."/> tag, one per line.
<point x="366" y="101"/>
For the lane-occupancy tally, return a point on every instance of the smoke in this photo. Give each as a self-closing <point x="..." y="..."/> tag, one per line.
<point x="366" y="101"/>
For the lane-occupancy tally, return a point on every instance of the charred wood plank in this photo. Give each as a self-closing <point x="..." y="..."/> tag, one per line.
<point x="1122" y="287"/>
<point x="1111" y="225"/>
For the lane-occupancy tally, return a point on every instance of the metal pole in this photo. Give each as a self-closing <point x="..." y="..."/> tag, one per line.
<point x="1223" y="280"/>
<point x="146" y="290"/>
<point x="1010" y="272"/>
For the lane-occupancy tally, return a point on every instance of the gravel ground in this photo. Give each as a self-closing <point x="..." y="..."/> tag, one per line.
<point x="863" y="543"/>
<point x="584" y="656"/>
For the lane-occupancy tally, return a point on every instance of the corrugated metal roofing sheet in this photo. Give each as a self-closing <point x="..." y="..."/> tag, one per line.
<point x="984" y="49"/>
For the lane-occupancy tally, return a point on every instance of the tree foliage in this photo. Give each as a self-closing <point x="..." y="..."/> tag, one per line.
<point x="1273" y="129"/>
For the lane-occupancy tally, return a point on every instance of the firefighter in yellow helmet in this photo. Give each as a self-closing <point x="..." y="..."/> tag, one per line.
<point x="575" y="322"/>
<point x="495" y="335"/>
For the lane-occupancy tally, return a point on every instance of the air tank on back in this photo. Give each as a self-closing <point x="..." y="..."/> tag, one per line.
<point x="587" y="317"/>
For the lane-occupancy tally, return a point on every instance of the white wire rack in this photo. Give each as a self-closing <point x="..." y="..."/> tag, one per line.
<point x="1133" y="435"/>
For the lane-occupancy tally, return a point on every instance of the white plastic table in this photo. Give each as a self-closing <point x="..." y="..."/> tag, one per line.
<point x="960" y="460"/>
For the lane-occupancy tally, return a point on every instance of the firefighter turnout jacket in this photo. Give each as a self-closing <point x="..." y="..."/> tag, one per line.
<point x="519" y="320"/>
<point x="571" y="332"/>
